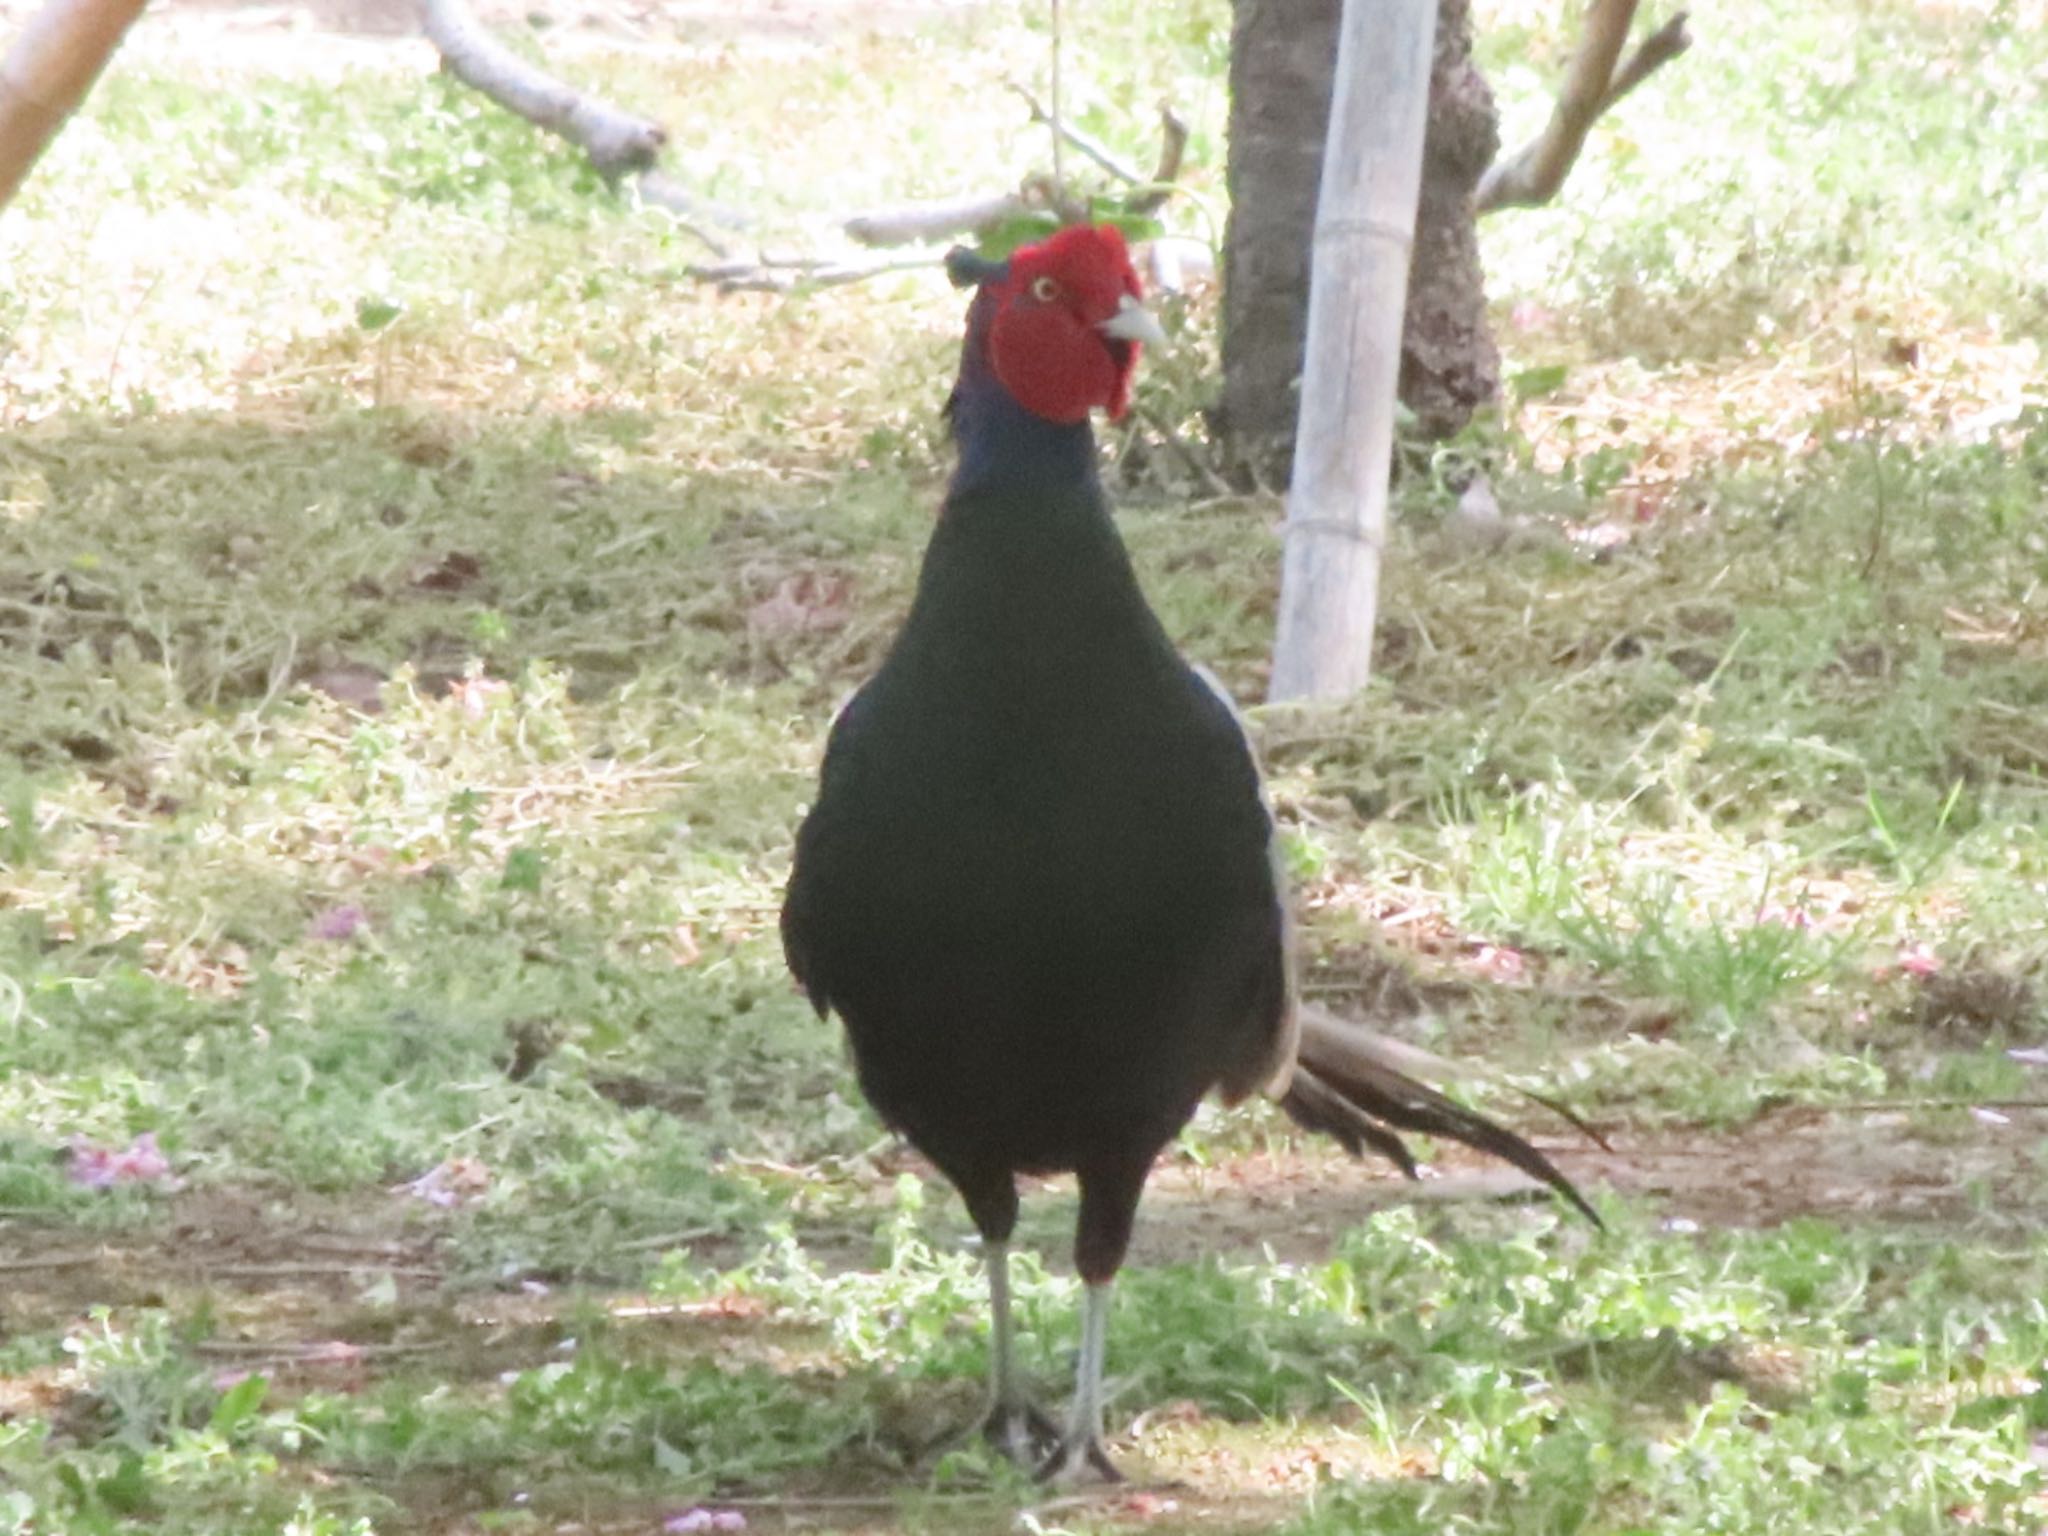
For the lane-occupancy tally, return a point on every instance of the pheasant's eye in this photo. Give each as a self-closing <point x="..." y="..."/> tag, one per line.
<point x="1044" y="289"/>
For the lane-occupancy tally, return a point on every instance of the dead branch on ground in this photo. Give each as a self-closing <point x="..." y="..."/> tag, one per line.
<point x="784" y="274"/>
<point x="617" y="142"/>
<point x="1597" y="78"/>
<point x="938" y="219"/>
<point x="620" y="144"/>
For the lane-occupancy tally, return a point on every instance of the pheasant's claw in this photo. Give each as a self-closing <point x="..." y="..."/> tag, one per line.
<point x="1079" y="1463"/>
<point x="1024" y="1434"/>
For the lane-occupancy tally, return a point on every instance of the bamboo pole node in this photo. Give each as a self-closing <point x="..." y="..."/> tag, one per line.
<point x="1377" y="229"/>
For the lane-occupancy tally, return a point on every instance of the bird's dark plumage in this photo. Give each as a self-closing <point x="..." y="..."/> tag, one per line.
<point x="1036" y="883"/>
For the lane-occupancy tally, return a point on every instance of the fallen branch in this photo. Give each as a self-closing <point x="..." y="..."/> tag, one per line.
<point x="49" y="1261"/>
<point x="619" y="144"/>
<point x="311" y="1268"/>
<point x="255" y="1354"/>
<point x="784" y="274"/>
<point x="615" y="141"/>
<point x="1597" y="78"/>
<point x="941" y="219"/>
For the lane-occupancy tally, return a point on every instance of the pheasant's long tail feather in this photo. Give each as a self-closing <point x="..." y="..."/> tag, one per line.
<point x="1359" y="1087"/>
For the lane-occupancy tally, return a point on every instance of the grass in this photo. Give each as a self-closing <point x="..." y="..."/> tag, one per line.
<point x="419" y="608"/>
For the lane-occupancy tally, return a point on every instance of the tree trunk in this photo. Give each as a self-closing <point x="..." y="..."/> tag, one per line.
<point x="1449" y="364"/>
<point x="1282" y="56"/>
<point x="47" y="73"/>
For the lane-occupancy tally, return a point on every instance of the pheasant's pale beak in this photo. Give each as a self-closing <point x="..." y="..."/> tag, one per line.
<point x="1134" y="322"/>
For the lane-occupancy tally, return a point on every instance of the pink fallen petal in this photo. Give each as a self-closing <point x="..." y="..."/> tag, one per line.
<point x="140" y="1162"/>
<point x="474" y="694"/>
<point x="454" y="1182"/>
<point x="1500" y="962"/>
<point x="805" y="603"/>
<point x="1148" y="1506"/>
<point x="1919" y="960"/>
<point x="1785" y="917"/>
<point x="90" y="1165"/>
<point x="337" y="924"/>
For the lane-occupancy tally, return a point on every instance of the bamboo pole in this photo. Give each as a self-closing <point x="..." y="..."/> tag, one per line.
<point x="47" y="73"/>
<point x="1358" y="287"/>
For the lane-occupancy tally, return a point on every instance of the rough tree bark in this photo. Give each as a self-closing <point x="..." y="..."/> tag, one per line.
<point x="1449" y="364"/>
<point x="1281" y="56"/>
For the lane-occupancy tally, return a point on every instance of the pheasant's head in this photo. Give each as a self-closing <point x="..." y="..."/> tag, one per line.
<point x="1067" y="317"/>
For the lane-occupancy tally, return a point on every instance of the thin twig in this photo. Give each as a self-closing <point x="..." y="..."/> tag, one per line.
<point x="256" y="1351"/>
<point x="1649" y="56"/>
<point x="784" y="275"/>
<point x="1059" y="169"/>
<point x="686" y="212"/>
<point x="50" y="1261"/>
<point x="666" y="1240"/>
<point x="1173" y="147"/>
<point x="309" y="1268"/>
<point x="1115" y="1492"/>
<point x="1203" y="470"/>
<point x="1087" y="143"/>
<point x="1881" y="1106"/>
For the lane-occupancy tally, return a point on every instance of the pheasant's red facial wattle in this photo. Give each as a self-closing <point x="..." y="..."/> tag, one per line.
<point x="1065" y="335"/>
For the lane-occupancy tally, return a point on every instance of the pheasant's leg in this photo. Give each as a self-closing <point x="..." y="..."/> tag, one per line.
<point x="1016" y="1428"/>
<point x="1109" y="1206"/>
<point x="1012" y="1424"/>
<point x="1081" y="1457"/>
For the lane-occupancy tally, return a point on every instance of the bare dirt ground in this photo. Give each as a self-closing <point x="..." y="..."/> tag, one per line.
<point x="1940" y="1168"/>
<point x="288" y="1283"/>
<point x="1883" y="1165"/>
